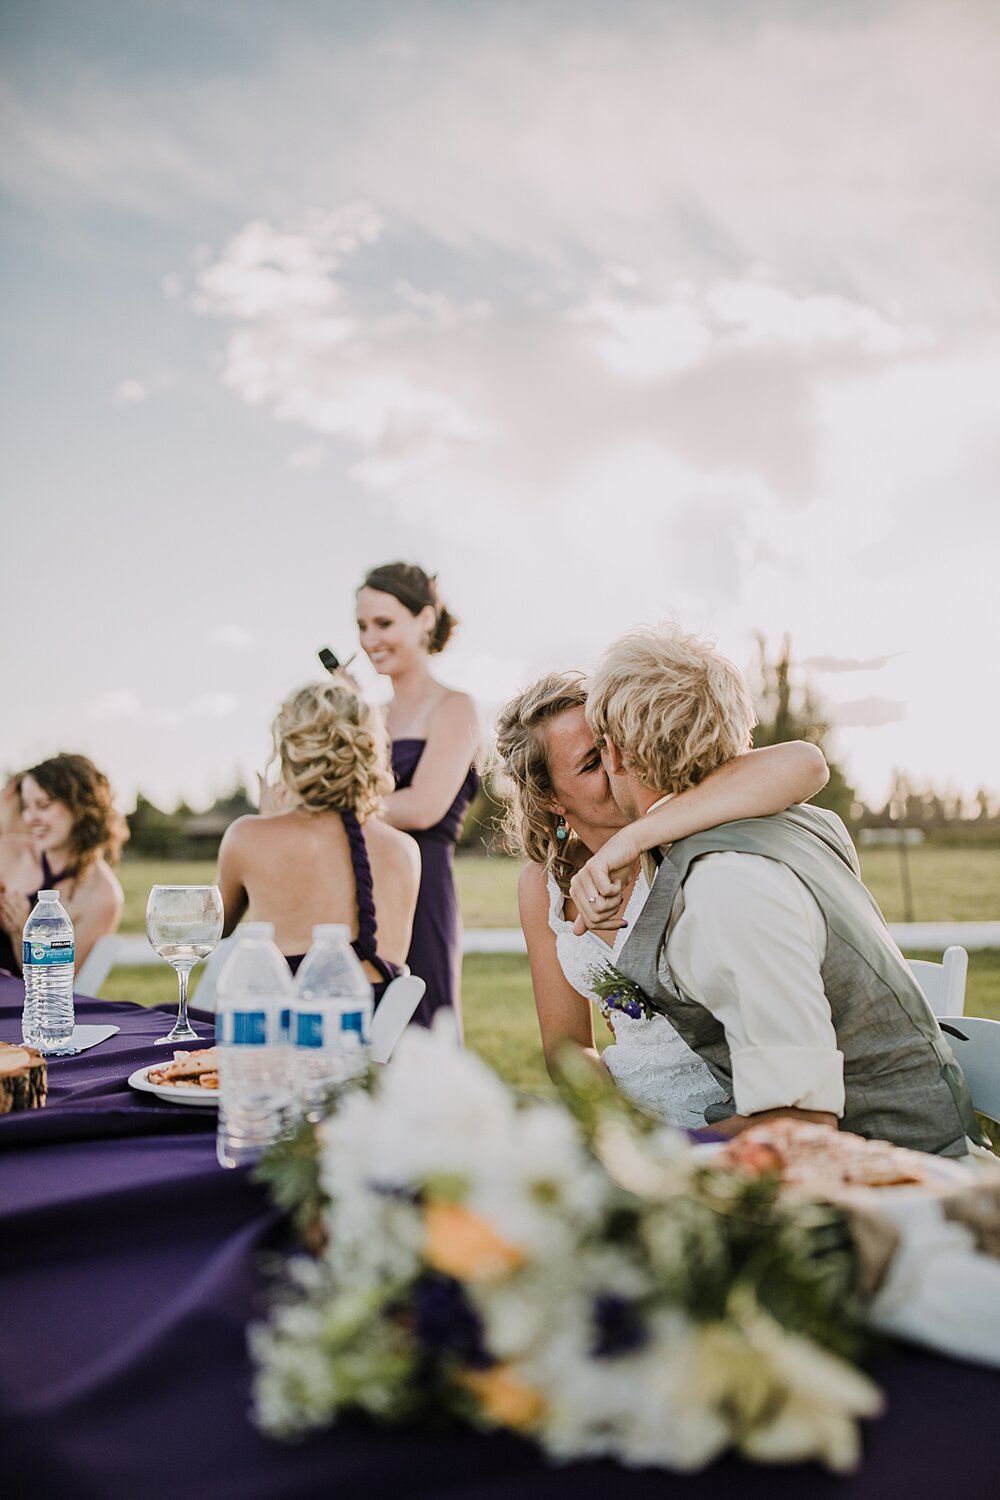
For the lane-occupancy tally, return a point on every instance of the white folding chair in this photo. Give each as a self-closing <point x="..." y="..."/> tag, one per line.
<point x="99" y="962"/>
<point x="943" y="984"/>
<point x="394" y="1013"/>
<point x="204" y="996"/>
<point x="976" y="1045"/>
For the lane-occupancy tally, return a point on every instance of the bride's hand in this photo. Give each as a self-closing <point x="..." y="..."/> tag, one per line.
<point x="598" y="887"/>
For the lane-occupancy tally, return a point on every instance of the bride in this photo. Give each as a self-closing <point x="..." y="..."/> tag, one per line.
<point x="560" y="813"/>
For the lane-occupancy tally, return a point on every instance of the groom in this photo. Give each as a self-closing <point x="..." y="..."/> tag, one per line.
<point x="758" y="940"/>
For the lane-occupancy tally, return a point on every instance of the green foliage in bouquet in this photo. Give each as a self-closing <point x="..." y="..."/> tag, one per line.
<point x="795" y="1256"/>
<point x="290" y="1172"/>
<point x="616" y="993"/>
<point x="573" y="1270"/>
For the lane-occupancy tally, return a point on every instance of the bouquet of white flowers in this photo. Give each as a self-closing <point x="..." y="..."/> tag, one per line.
<point x="566" y="1268"/>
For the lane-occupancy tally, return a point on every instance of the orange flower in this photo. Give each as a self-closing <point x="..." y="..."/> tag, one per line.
<point x="505" y="1400"/>
<point x="460" y="1244"/>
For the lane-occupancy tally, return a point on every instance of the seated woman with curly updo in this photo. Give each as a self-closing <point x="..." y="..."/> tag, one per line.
<point x="65" y="834"/>
<point x="316" y="853"/>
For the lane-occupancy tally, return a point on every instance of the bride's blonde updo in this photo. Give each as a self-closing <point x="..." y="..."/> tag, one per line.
<point x="332" y="748"/>
<point x="530" y="822"/>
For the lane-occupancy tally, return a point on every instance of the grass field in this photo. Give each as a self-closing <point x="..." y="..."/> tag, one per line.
<point x="947" y="884"/>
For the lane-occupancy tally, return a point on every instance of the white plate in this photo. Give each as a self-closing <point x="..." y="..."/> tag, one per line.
<point x="176" y="1093"/>
<point x="942" y="1172"/>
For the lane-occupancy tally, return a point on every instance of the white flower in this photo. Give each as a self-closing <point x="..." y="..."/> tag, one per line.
<point x="824" y="1396"/>
<point x="579" y="1258"/>
<point x="439" y="1111"/>
<point x="545" y="1190"/>
<point x="516" y="1313"/>
<point x="634" y="1406"/>
<point x="790" y="1400"/>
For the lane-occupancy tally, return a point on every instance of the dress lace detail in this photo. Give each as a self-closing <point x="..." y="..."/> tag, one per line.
<point x="648" y="1060"/>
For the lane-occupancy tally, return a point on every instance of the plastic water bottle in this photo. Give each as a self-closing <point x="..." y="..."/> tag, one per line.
<point x="251" y="1021"/>
<point x="331" y="1019"/>
<point x="48" y="955"/>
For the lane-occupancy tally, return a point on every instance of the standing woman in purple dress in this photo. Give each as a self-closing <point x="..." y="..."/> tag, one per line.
<point x="435" y="739"/>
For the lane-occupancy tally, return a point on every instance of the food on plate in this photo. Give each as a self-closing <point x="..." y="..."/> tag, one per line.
<point x="23" y="1078"/>
<point x="819" y="1156"/>
<point x="189" y="1070"/>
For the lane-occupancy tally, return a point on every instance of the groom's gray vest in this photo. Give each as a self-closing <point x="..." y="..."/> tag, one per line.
<point x="901" y="1081"/>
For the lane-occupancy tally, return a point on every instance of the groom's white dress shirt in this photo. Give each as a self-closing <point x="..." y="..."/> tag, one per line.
<point x="747" y="940"/>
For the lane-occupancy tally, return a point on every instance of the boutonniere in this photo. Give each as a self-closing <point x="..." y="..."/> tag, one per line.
<point x="616" y="993"/>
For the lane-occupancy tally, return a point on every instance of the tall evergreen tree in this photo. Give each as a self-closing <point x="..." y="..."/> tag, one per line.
<point x="789" y="710"/>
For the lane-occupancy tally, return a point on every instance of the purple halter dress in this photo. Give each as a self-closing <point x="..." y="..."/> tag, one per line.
<point x="49" y="882"/>
<point x="435" y="949"/>
<point x="365" y="944"/>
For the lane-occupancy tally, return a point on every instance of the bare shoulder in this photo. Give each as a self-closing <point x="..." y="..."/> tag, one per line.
<point x="252" y="831"/>
<point x="397" y="854"/>
<point x="392" y="844"/>
<point x="533" y="895"/>
<point x="455" y="710"/>
<point x="103" y="891"/>
<point x="240" y="830"/>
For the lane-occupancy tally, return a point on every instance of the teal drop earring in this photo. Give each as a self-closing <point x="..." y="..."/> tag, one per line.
<point x="562" y="832"/>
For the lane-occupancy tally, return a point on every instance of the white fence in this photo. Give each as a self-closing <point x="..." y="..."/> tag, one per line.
<point x="912" y="937"/>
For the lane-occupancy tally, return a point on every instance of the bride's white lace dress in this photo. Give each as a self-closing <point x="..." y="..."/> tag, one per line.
<point x="649" y="1061"/>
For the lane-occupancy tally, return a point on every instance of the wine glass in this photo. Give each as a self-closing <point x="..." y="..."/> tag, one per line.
<point x="184" y="924"/>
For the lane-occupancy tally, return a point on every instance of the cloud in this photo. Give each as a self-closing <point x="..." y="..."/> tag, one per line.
<point x="419" y="381"/>
<point x="166" y="718"/>
<point x="266" y="273"/>
<point x="699" y="137"/>
<point x="647" y="341"/>
<point x="868" y="713"/>
<point x="759" y="315"/>
<point x="115" y="703"/>
<point x="300" y="349"/>
<point x="847" y="663"/>
<point x="308" y="459"/>
<point x="236" y="637"/>
<point x="129" y="393"/>
<point x="213" y="706"/>
<point x="121" y="703"/>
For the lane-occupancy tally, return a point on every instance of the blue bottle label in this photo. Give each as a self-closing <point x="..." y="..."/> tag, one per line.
<point x="243" y="1028"/>
<point x="308" y="1028"/>
<point x="34" y="955"/>
<point x="353" y="1020"/>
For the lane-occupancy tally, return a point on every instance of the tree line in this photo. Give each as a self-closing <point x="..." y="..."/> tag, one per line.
<point x="787" y="709"/>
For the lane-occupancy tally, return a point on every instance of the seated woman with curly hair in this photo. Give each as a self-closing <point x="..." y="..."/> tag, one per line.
<point x="315" y="853"/>
<point x="71" y="834"/>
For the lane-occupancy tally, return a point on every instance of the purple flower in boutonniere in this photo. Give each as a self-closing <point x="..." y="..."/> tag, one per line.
<point x="618" y="994"/>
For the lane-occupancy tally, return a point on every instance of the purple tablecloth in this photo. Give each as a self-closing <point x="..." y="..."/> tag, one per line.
<point x="130" y="1265"/>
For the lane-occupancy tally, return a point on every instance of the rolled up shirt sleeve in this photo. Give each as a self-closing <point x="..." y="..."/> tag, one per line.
<point x="749" y="946"/>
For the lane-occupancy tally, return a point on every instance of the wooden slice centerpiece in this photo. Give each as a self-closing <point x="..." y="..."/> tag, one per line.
<point x="23" y="1078"/>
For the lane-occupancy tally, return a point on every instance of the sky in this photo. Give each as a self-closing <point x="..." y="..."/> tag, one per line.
<point x="604" y="312"/>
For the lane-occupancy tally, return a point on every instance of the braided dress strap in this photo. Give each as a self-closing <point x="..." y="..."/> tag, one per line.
<point x="364" y="945"/>
<point x="51" y="880"/>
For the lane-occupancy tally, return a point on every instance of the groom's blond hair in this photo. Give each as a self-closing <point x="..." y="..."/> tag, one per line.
<point x="672" y="705"/>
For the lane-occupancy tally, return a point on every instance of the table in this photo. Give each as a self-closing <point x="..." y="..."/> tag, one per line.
<point x="130" y="1266"/>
